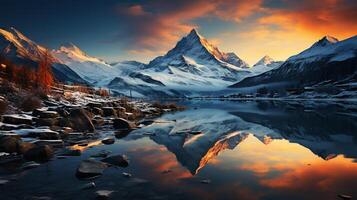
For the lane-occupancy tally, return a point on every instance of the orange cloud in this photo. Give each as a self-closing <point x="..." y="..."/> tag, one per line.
<point x="323" y="17"/>
<point x="157" y="30"/>
<point x="136" y="10"/>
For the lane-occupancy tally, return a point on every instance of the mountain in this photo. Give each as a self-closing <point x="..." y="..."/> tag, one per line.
<point x="326" y="61"/>
<point x="266" y="60"/>
<point x="193" y="65"/>
<point x="195" y="56"/>
<point x="20" y="50"/>
<point x="91" y="69"/>
<point x="263" y="65"/>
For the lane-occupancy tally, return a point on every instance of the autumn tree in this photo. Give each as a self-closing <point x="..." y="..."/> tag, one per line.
<point x="44" y="73"/>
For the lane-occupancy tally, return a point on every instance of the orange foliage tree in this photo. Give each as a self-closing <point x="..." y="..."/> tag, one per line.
<point x="44" y="74"/>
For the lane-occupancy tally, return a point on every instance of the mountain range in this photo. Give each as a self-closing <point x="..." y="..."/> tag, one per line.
<point x="327" y="62"/>
<point x="191" y="67"/>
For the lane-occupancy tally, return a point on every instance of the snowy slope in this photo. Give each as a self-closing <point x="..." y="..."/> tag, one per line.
<point x="20" y="50"/>
<point x="328" y="60"/>
<point x="89" y="68"/>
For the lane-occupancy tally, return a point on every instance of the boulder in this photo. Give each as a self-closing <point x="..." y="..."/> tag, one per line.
<point x="8" y="127"/>
<point x="23" y="147"/>
<point x="17" y="119"/>
<point x="97" y="111"/>
<point x="9" y="144"/>
<point x="109" y="111"/>
<point x="102" y="154"/>
<point x="108" y="141"/>
<point x="98" y="121"/>
<point x="47" y="121"/>
<point x="80" y="120"/>
<point x="90" y="168"/>
<point x="120" y="111"/>
<point x="117" y="160"/>
<point x="39" y="153"/>
<point x="52" y="143"/>
<point x="103" y="194"/>
<point x="45" y="134"/>
<point x="94" y="105"/>
<point x="42" y="113"/>
<point x="121" y="123"/>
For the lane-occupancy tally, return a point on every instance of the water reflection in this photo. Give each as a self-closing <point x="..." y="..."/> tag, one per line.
<point x="325" y="129"/>
<point x="249" y="150"/>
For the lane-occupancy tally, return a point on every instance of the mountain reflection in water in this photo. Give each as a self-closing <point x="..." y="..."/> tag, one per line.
<point x="247" y="150"/>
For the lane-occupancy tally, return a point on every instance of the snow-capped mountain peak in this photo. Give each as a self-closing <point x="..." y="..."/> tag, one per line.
<point x="325" y="41"/>
<point x="72" y="51"/>
<point x="266" y="60"/>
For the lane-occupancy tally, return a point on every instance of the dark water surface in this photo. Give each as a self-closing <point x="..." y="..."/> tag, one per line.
<point x="217" y="150"/>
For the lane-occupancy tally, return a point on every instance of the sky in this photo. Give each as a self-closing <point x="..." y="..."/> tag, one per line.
<point x="141" y="30"/>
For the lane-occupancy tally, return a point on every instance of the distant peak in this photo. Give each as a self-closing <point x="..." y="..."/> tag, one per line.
<point x="330" y="39"/>
<point x="265" y="60"/>
<point x="325" y="41"/>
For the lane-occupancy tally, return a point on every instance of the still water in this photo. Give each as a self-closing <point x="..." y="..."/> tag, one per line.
<point x="217" y="150"/>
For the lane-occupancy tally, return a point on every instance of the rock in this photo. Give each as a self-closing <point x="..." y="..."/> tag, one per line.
<point x="39" y="153"/>
<point x="88" y="186"/>
<point x="29" y="165"/>
<point x="47" y="121"/>
<point x="90" y="168"/>
<point x="127" y="175"/>
<point x="45" y="134"/>
<point x="42" y="113"/>
<point x="52" y="143"/>
<point x="8" y="144"/>
<point x="23" y="147"/>
<point x="109" y="111"/>
<point x="17" y="119"/>
<point x="343" y="196"/>
<point x="97" y="111"/>
<point x="103" y="194"/>
<point x="94" y="105"/>
<point x="102" y="154"/>
<point x="50" y="103"/>
<point x="122" y="134"/>
<point x="8" y="127"/>
<point x="120" y="111"/>
<point x="60" y="110"/>
<point x="3" y="181"/>
<point x="206" y="181"/>
<point x="121" y="123"/>
<point x="71" y="152"/>
<point x="147" y="122"/>
<point x="98" y="121"/>
<point x="80" y="120"/>
<point x="108" y="141"/>
<point x="9" y="134"/>
<point x="117" y="160"/>
<point x="64" y="131"/>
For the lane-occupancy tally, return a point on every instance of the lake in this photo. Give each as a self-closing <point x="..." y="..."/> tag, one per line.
<point x="216" y="150"/>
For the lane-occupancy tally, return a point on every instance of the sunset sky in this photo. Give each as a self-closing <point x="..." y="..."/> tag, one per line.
<point x="141" y="30"/>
